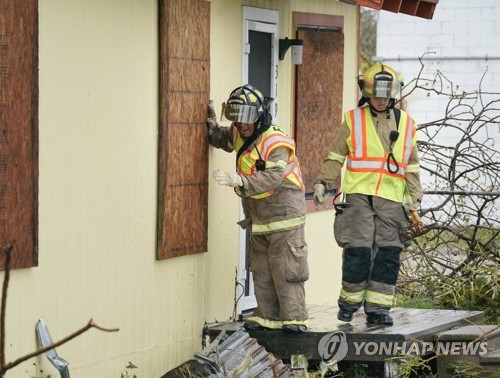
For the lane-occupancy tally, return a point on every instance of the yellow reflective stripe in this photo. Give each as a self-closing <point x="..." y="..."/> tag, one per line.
<point x="413" y="168"/>
<point x="356" y="297"/>
<point x="379" y="298"/>
<point x="333" y="156"/>
<point x="266" y="323"/>
<point x="262" y="195"/>
<point x="280" y="163"/>
<point x="279" y="225"/>
<point x="297" y="322"/>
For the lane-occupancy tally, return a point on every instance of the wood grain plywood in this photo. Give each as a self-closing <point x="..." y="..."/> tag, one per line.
<point x="19" y="131"/>
<point x="188" y="75"/>
<point x="191" y="138"/>
<point x="187" y="107"/>
<point x="188" y="28"/>
<point x="183" y="148"/>
<point x="185" y="224"/>
<point x="318" y="99"/>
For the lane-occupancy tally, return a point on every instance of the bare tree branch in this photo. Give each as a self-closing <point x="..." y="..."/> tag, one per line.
<point x="462" y="162"/>
<point x="26" y="357"/>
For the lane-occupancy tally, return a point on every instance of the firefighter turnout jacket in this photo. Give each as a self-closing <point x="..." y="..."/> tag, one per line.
<point x="273" y="199"/>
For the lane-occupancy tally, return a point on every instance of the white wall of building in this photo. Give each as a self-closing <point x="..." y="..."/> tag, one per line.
<point x="461" y="41"/>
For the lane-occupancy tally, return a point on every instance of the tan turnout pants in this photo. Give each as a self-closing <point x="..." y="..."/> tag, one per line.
<point x="279" y="266"/>
<point x="368" y="233"/>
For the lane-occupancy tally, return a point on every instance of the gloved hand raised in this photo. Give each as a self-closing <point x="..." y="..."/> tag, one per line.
<point x="229" y="179"/>
<point x="212" y="123"/>
<point x="319" y="195"/>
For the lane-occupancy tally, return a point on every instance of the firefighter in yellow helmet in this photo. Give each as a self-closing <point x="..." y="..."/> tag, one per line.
<point x="378" y="145"/>
<point x="269" y="181"/>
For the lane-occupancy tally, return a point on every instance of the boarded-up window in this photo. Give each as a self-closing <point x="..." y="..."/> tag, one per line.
<point x="19" y="131"/>
<point x="319" y="91"/>
<point x="183" y="157"/>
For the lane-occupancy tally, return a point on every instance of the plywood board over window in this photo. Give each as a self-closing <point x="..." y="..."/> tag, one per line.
<point x="183" y="148"/>
<point x="319" y="90"/>
<point x="19" y="132"/>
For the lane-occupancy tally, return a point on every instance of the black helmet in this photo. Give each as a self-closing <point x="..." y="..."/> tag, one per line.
<point x="246" y="104"/>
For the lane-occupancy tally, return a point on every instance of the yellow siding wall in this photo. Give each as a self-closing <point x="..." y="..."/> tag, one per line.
<point x="98" y="192"/>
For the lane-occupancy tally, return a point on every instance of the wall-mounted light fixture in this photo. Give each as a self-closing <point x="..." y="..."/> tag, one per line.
<point x="296" y="45"/>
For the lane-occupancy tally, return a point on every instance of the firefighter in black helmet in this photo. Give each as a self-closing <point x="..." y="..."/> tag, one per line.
<point x="269" y="180"/>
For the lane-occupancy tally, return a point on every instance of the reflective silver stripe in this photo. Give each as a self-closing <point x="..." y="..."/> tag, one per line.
<point x="268" y="142"/>
<point x="298" y="174"/>
<point x="290" y="167"/>
<point x="358" y="131"/>
<point x="361" y="164"/>
<point x="279" y="225"/>
<point x="375" y="165"/>
<point x="400" y="170"/>
<point x="408" y="141"/>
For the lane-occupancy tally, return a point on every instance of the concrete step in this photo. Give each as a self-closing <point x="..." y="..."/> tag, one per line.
<point x="491" y="359"/>
<point x="487" y="333"/>
<point x="478" y="344"/>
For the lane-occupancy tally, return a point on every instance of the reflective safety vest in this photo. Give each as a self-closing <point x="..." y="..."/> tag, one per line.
<point x="269" y="140"/>
<point x="366" y="164"/>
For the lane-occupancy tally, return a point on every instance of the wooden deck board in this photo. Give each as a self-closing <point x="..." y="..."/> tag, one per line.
<point x="409" y="325"/>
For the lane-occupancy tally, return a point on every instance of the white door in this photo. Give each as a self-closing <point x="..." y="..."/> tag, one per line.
<point x="260" y="68"/>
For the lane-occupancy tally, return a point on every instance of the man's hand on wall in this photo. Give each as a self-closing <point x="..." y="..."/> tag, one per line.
<point x="212" y="123"/>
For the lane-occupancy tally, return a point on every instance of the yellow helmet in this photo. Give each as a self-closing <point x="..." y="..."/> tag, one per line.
<point x="379" y="80"/>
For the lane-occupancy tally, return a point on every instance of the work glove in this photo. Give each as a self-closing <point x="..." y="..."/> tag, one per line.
<point x="212" y="123"/>
<point x="319" y="196"/>
<point x="229" y="179"/>
<point x="414" y="206"/>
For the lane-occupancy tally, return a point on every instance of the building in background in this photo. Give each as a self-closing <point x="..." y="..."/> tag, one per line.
<point x="461" y="42"/>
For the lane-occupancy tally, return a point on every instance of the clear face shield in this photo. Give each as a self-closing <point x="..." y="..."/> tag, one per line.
<point x="382" y="86"/>
<point x="386" y="89"/>
<point x="239" y="113"/>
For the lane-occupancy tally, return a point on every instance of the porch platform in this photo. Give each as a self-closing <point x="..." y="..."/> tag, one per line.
<point x="412" y="327"/>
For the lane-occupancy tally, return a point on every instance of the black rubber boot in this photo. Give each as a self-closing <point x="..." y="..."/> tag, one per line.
<point x="344" y="315"/>
<point x="381" y="319"/>
<point x="252" y="326"/>
<point x="294" y="328"/>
